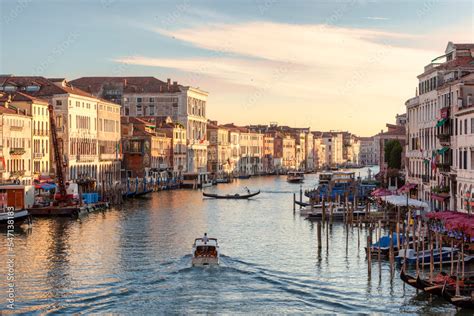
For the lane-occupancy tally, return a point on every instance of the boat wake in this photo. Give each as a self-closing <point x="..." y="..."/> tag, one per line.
<point x="273" y="285"/>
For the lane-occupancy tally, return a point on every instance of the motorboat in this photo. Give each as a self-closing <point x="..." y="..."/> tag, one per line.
<point x="339" y="212"/>
<point x="295" y="176"/>
<point x="14" y="217"/>
<point x="410" y="255"/>
<point x="14" y="199"/>
<point x="205" y="252"/>
<point x="384" y="245"/>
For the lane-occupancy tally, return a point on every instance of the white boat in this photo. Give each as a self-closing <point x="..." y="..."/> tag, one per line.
<point x="411" y="255"/>
<point x="338" y="212"/>
<point x="14" y="199"/>
<point x="205" y="253"/>
<point x="295" y="176"/>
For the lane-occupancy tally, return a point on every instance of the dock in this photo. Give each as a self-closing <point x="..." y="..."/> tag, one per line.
<point x="67" y="211"/>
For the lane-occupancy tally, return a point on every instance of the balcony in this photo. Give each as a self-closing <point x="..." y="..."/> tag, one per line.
<point x="112" y="156"/>
<point x="444" y="138"/>
<point x="16" y="128"/>
<point x="38" y="155"/>
<point x="425" y="178"/>
<point x="41" y="132"/>
<point x="17" y="151"/>
<point x="444" y="166"/>
<point x="18" y="173"/>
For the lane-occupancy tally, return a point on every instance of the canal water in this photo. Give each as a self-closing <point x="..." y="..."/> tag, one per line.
<point x="136" y="259"/>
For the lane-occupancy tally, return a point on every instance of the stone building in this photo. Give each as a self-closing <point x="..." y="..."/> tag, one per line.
<point x="145" y="151"/>
<point x="438" y="130"/>
<point x="38" y="110"/>
<point x="148" y="96"/>
<point x="16" y="145"/>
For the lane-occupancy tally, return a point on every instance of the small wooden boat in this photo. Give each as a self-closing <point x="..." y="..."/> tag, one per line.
<point x="463" y="300"/>
<point x="231" y="196"/>
<point x="205" y="252"/>
<point x="411" y="280"/>
<point x="303" y="204"/>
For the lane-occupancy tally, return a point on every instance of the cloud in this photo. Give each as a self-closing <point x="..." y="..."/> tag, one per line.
<point x="376" y="18"/>
<point x="318" y="68"/>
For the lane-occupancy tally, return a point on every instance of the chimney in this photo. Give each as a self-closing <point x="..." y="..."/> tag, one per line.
<point x="124" y="82"/>
<point x="168" y="82"/>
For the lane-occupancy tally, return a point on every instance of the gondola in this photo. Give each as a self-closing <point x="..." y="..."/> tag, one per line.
<point x="462" y="301"/>
<point x="416" y="282"/>
<point x="231" y="196"/>
<point x="303" y="204"/>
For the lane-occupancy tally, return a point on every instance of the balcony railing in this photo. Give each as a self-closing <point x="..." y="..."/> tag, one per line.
<point x="444" y="139"/>
<point x="41" y="132"/>
<point x="17" y="151"/>
<point x="16" y="128"/>
<point x="443" y="166"/>
<point x="38" y="155"/>
<point x="425" y="178"/>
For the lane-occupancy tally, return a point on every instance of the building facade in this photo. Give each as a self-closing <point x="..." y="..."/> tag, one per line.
<point x="438" y="128"/>
<point x="38" y="110"/>
<point x="148" y="96"/>
<point x="16" y="149"/>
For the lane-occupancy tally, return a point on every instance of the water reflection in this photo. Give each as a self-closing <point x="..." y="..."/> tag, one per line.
<point x="136" y="259"/>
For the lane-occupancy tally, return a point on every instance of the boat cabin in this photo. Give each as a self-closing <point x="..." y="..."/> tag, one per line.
<point x="343" y="177"/>
<point x="17" y="196"/>
<point x="325" y="177"/>
<point x="205" y="249"/>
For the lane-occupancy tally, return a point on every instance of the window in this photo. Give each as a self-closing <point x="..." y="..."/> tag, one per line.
<point x="127" y="111"/>
<point x="139" y="99"/>
<point x="59" y="102"/>
<point x="472" y="125"/>
<point x="465" y="126"/>
<point x="465" y="160"/>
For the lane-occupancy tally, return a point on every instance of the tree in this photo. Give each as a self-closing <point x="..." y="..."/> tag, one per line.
<point x="393" y="154"/>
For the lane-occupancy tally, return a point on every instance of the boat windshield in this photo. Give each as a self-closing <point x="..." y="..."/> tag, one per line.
<point x="205" y="251"/>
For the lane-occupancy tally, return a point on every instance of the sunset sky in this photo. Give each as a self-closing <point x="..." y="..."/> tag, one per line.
<point x="345" y="65"/>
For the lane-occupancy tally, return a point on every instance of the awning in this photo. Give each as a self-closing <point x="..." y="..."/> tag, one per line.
<point x="401" y="200"/>
<point x="443" y="150"/>
<point x="441" y="122"/>
<point x="440" y="198"/>
<point x="45" y="186"/>
<point x="407" y="187"/>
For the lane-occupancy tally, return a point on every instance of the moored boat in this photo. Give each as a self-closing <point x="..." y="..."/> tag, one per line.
<point x="411" y="256"/>
<point x="14" y="199"/>
<point x="205" y="252"/>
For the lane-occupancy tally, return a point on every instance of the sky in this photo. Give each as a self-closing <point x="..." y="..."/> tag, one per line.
<point x="329" y="65"/>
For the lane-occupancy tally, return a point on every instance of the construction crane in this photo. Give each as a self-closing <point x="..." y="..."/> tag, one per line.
<point x="58" y="158"/>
